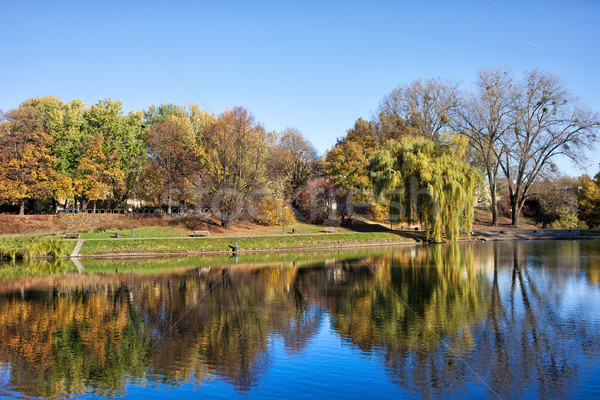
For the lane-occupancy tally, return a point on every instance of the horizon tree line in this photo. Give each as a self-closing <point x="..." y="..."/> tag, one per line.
<point x="512" y="129"/>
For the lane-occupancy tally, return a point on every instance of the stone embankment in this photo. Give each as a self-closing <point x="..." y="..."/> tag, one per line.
<point x="530" y="234"/>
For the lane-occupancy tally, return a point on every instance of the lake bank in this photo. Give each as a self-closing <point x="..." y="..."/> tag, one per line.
<point x="152" y="247"/>
<point x="223" y="245"/>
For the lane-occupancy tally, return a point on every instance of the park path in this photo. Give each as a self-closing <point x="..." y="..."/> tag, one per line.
<point x="77" y="249"/>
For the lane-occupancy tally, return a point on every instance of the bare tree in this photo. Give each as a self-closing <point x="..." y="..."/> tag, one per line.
<point x="548" y="121"/>
<point x="421" y="108"/>
<point x="484" y="117"/>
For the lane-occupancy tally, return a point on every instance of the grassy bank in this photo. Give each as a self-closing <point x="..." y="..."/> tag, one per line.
<point x="28" y="248"/>
<point x="245" y="243"/>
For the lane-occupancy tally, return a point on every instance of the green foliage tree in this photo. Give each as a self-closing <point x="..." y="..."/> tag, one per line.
<point x="123" y="147"/>
<point x="431" y="181"/>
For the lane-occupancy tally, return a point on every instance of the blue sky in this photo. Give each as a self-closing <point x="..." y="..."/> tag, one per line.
<point x="316" y="66"/>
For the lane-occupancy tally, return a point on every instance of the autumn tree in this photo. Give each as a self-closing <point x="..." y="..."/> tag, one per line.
<point x="346" y="165"/>
<point x="235" y="151"/>
<point x="548" y="121"/>
<point x="293" y="159"/>
<point x="485" y="116"/>
<point x="173" y="153"/>
<point x="589" y="200"/>
<point x="557" y="197"/>
<point x="26" y="160"/>
<point x="93" y="173"/>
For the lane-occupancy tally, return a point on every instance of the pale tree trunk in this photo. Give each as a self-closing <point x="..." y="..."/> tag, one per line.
<point x="169" y="199"/>
<point x="493" y="198"/>
<point x="516" y="206"/>
<point x="21" y="206"/>
<point x="494" y="209"/>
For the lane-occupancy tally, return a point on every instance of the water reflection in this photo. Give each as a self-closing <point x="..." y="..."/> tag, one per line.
<point x="514" y="319"/>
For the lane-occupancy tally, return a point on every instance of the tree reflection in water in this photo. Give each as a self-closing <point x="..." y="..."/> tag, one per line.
<point x="440" y="319"/>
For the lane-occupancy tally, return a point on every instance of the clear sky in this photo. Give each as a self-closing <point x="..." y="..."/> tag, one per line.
<point x="313" y="65"/>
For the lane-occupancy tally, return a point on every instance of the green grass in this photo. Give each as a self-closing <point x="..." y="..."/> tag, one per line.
<point x="145" y="232"/>
<point x="30" y="247"/>
<point x="180" y="231"/>
<point x="69" y="246"/>
<point x="245" y="243"/>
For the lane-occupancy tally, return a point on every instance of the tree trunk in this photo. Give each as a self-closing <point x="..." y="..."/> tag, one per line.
<point x="494" y="201"/>
<point x="95" y="206"/>
<point x="515" y="211"/>
<point x="169" y="199"/>
<point x="21" y="206"/>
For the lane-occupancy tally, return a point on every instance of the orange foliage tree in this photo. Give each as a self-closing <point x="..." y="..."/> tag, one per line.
<point x="26" y="159"/>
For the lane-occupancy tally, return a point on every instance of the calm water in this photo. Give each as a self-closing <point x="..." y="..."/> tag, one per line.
<point x="494" y="320"/>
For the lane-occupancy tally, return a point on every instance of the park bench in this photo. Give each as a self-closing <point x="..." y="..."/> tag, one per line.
<point x="329" y="229"/>
<point x="71" y="236"/>
<point x="201" y="233"/>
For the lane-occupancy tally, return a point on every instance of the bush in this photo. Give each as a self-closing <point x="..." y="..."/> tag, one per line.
<point x="270" y="212"/>
<point x="568" y="221"/>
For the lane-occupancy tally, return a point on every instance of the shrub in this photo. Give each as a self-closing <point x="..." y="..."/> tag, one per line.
<point x="268" y="213"/>
<point x="568" y="221"/>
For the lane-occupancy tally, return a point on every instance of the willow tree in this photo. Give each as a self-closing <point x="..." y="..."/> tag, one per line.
<point x="429" y="182"/>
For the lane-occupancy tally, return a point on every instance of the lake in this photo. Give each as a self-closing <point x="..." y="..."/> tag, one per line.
<point x="484" y="320"/>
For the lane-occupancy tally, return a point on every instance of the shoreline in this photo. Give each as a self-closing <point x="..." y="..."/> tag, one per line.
<point x="241" y="252"/>
<point x="151" y="254"/>
<point x="478" y="236"/>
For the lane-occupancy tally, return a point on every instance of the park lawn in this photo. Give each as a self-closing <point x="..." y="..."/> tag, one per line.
<point x="175" y="245"/>
<point x="142" y="232"/>
<point x="69" y="246"/>
<point x="173" y="231"/>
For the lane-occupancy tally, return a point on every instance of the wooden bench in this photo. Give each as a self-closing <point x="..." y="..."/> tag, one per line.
<point x="71" y="236"/>
<point x="201" y="233"/>
<point x="329" y="229"/>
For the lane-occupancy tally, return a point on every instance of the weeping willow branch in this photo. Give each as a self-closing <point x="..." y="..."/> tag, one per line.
<point x="432" y="182"/>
